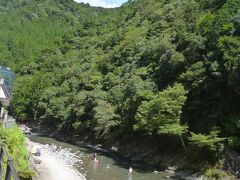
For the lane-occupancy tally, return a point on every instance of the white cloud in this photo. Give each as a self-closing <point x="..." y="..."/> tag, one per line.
<point x="99" y="3"/>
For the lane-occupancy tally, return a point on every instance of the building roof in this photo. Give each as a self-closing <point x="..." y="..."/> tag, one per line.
<point x="8" y="77"/>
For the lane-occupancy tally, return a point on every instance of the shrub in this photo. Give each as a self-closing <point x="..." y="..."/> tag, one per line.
<point x="15" y="145"/>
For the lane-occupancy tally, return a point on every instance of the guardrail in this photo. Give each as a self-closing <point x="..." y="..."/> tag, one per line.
<point x="8" y="123"/>
<point x="10" y="172"/>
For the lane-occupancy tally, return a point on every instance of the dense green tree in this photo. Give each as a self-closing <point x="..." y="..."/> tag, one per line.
<point x="106" y="119"/>
<point x="162" y="113"/>
<point x="209" y="146"/>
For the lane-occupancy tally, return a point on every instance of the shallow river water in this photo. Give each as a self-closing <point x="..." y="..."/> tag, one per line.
<point x="116" y="170"/>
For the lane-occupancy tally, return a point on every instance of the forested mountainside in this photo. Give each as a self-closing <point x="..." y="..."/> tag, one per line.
<point x="29" y="27"/>
<point x="151" y="68"/>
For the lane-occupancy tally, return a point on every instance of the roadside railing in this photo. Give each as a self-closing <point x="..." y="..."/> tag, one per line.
<point x="7" y="170"/>
<point x="8" y="122"/>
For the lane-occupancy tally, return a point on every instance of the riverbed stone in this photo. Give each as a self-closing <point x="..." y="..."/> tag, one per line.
<point x="114" y="148"/>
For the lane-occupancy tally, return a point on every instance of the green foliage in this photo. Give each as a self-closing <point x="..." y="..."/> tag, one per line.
<point x="106" y="119"/>
<point x="214" y="173"/>
<point x="29" y="27"/>
<point x="163" y="112"/>
<point x="16" y="148"/>
<point x="234" y="142"/>
<point x="208" y="147"/>
<point x="209" y="141"/>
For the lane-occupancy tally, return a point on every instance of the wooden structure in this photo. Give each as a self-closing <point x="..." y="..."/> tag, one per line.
<point x="10" y="172"/>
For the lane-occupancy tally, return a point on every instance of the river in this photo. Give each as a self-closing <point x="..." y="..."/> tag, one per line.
<point x="116" y="170"/>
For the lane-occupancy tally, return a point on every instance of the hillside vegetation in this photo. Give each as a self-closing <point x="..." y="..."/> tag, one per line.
<point x="151" y="68"/>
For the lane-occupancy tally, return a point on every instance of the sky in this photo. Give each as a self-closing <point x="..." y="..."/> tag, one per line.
<point x="104" y="3"/>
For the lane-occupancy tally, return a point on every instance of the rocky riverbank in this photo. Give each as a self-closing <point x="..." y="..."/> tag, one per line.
<point x="56" y="163"/>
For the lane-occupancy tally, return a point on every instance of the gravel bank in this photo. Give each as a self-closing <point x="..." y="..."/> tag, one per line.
<point x="56" y="164"/>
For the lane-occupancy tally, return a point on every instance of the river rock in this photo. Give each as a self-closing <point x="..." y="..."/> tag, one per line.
<point x="37" y="161"/>
<point x="172" y="168"/>
<point x="114" y="148"/>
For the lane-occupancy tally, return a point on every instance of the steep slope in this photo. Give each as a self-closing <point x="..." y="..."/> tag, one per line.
<point x="28" y="27"/>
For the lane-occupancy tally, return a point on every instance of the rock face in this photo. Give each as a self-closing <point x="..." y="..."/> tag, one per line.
<point x="232" y="161"/>
<point x="150" y="153"/>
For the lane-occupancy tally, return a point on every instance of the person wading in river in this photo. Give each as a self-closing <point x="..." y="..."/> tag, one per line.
<point x="94" y="157"/>
<point x="130" y="170"/>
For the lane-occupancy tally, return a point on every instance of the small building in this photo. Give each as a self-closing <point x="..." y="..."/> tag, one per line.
<point x="5" y="97"/>
<point x="6" y="85"/>
<point x="8" y="77"/>
<point x="4" y="93"/>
